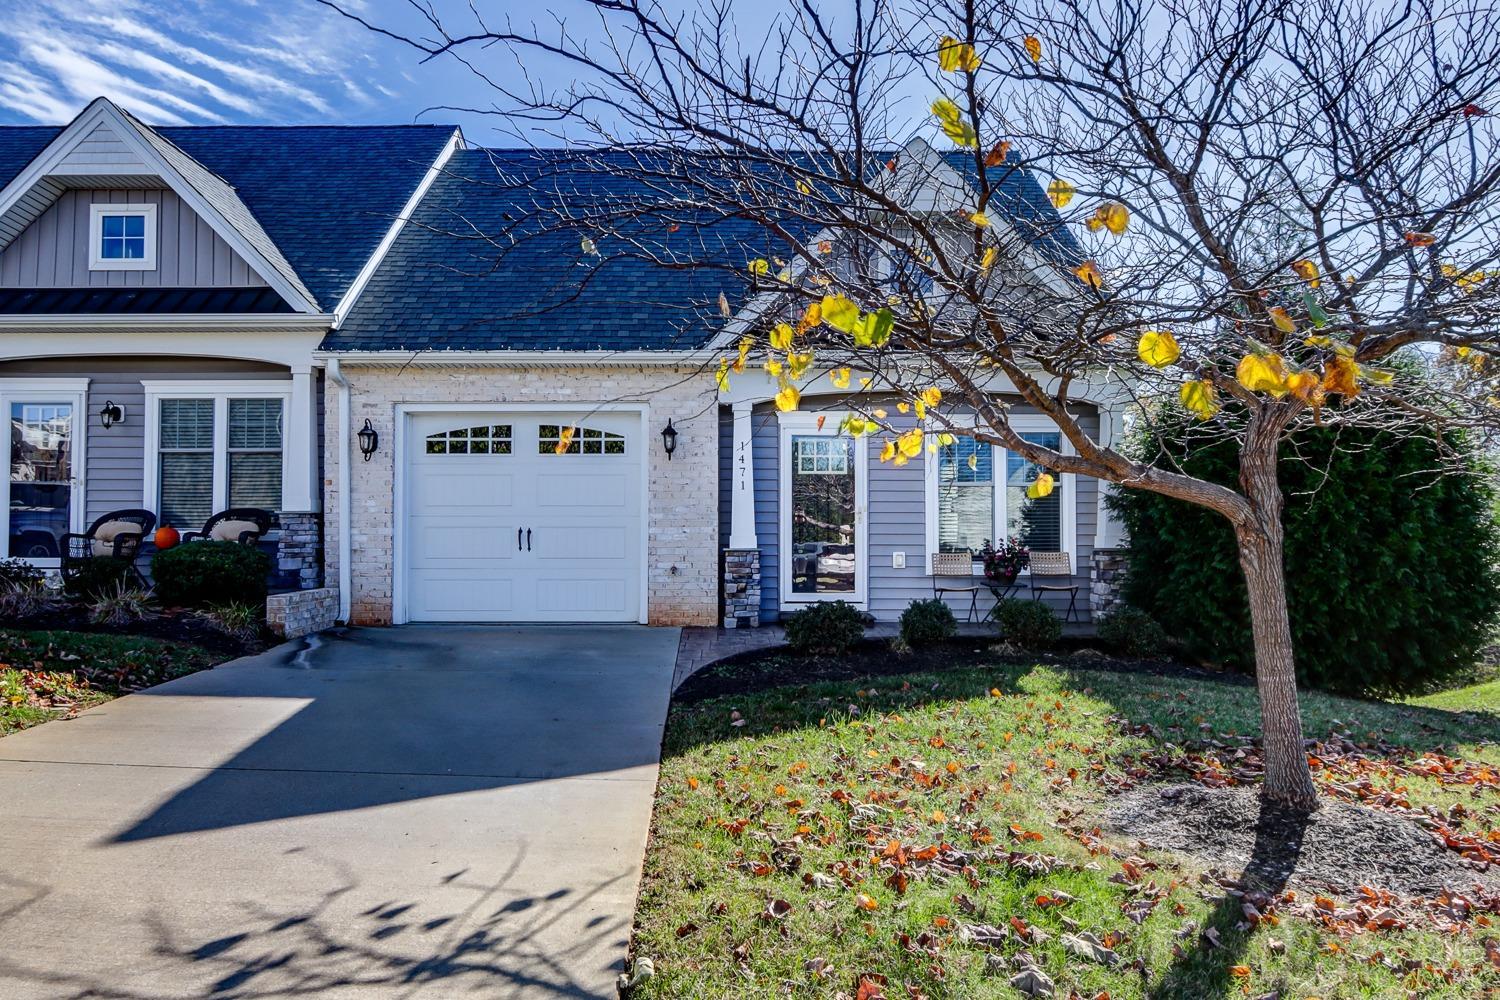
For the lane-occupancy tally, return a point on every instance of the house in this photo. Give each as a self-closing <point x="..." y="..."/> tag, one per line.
<point x="251" y="299"/>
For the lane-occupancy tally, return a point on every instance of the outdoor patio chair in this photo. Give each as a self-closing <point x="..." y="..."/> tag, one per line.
<point x="246" y="525"/>
<point x="117" y="534"/>
<point x="956" y="564"/>
<point x="1054" y="565"/>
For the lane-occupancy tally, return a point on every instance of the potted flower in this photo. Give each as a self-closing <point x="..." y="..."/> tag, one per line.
<point x="1002" y="565"/>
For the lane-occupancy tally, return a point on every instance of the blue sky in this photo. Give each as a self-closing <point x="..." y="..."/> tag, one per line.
<point x="223" y="61"/>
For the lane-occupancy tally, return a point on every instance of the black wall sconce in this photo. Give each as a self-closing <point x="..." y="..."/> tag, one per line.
<point x="669" y="439"/>
<point x="112" y="414"/>
<point x="368" y="440"/>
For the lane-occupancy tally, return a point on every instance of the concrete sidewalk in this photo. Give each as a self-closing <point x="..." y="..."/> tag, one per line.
<point x="415" y="812"/>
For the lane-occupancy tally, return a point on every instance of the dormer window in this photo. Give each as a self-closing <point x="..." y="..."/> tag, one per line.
<point x="122" y="237"/>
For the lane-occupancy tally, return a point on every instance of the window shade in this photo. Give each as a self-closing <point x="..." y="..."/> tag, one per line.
<point x="255" y="453"/>
<point x="187" y="489"/>
<point x="187" y="423"/>
<point x="966" y="495"/>
<point x="1037" y="523"/>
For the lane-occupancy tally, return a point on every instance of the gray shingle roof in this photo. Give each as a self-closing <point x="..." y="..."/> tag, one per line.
<point x="471" y="272"/>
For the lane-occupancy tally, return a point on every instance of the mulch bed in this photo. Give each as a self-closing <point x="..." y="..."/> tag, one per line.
<point x="1340" y="847"/>
<point x="763" y="669"/>
<point x="172" y="624"/>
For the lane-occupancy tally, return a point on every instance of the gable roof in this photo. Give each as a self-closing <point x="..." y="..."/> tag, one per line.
<point x="314" y="201"/>
<point x="468" y="273"/>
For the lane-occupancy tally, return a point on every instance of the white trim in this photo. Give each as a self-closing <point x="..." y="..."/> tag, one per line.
<point x="403" y="414"/>
<point x="293" y="444"/>
<point x="97" y="211"/>
<point x="742" y="480"/>
<point x="1067" y="483"/>
<point x="291" y="348"/>
<point x="102" y="109"/>
<point x="344" y="450"/>
<point x="351" y="295"/>
<point x="150" y="322"/>
<point x="697" y="358"/>
<point x="73" y="391"/>
<point x="804" y="424"/>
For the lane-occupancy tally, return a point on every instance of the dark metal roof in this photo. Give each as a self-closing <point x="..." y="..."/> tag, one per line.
<point x="325" y="195"/>
<point x="51" y="301"/>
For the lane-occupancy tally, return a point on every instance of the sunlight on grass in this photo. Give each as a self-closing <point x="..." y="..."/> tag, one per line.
<point x="771" y="871"/>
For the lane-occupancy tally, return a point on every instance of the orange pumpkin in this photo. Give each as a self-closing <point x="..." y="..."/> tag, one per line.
<point x="166" y="536"/>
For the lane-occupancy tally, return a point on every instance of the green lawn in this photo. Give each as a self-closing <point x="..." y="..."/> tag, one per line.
<point x="1478" y="698"/>
<point x="814" y="845"/>
<point x="47" y="675"/>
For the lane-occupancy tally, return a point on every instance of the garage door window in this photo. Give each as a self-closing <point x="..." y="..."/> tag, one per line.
<point x="489" y="439"/>
<point x="554" y="439"/>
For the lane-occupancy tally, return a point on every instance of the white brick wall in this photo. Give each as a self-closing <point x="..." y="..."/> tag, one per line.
<point x="682" y="548"/>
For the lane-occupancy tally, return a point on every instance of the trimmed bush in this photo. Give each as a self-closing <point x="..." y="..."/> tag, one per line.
<point x="926" y="622"/>
<point x="831" y="627"/>
<point x="1131" y="632"/>
<point x="200" y="574"/>
<point x="1028" y="624"/>
<point x="1391" y="557"/>
<point x="19" y="572"/>
<point x="96" y="576"/>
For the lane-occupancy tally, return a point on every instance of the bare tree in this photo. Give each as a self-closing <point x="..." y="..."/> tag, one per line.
<point x="1254" y="205"/>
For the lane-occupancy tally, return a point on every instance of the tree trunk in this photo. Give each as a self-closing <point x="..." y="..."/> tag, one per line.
<point x="1288" y="778"/>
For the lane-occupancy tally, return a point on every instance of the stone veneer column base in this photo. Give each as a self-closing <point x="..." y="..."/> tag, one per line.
<point x="1106" y="580"/>
<point x="741" y="588"/>
<point x="300" y="552"/>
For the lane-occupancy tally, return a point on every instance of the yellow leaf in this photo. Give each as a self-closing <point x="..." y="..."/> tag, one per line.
<point x="811" y="318"/>
<point x="988" y="260"/>
<point x="1262" y="373"/>
<point x="888" y="452"/>
<point x="932" y="395"/>
<point x="952" y="120"/>
<point x="1307" y="271"/>
<point x="797" y="363"/>
<point x="1282" y="319"/>
<point x="1158" y="348"/>
<point x="1318" y="340"/>
<point x="739" y="363"/>
<point x="840" y="313"/>
<point x="588" y="247"/>
<point x="1088" y="273"/>
<point x="1303" y="385"/>
<point x="788" y="398"/>
<point x="1112" y="216"/>
<point x="804" y="188"/>
<point x="980" y="219"/>
<point x="839" y="378"/>
<point x="1377" y="375"/>
<point x="722" y="375"/>
<point x="946" y="440"/>
<point x="880" y="414"/>
<point x="1339" y="376"/>
<point x="772" y="366"/>
<point x="781" y="336"/>
<point x="1033" y="46"/>
<point x="759" y="266"/>
<point x="1060" y="192"/>
<point x="954" y="55"/>
<point x="974" y="461"/>
<point x="565" y="440"/>
<point x="1200" y="398"/>
<point x="910" y="443"/>
<point x="1041" y="487"/>
<point x="902" y="407"/>
<point x="921" y="409"/>
<point x="865" y="902"/>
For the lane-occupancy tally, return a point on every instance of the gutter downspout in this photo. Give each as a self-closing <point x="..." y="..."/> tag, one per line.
<point x="346" y="575"/>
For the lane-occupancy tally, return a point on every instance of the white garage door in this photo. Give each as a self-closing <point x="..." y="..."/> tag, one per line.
<point x="500" y="527"/>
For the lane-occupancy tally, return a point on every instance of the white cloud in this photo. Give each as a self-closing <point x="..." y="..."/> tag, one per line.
<point x="185" y="60"/>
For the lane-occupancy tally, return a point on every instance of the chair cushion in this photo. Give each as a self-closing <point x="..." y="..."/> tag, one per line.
<point x="104" y="537"/>
<point x="230" y="531"/>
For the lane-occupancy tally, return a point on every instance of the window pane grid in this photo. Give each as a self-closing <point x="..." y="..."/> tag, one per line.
<point x="1037" y="523"/>
<point x="489" y="439"/>
<point x="187" y="460"/>
<point x="586" y="441"/>
<point x="966" y="495"/>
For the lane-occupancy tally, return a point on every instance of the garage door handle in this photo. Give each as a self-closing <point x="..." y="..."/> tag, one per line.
<point x="518" y="539"/>
<point x="528" y="539"/>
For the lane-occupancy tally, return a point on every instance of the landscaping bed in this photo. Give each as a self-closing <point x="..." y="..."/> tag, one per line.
<point x="46" y="675"/>
<point x="960" y="822"/>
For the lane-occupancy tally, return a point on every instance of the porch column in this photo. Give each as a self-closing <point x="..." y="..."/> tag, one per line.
<point x="742" y="557"/>
<point x="299" y="474"/>
<point x="742" y="482"/>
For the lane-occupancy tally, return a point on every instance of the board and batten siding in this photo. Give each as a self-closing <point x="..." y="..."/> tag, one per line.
<point x="897" y="521"/>
<point x="53" y="252"/>
<point x="115" y="466"/>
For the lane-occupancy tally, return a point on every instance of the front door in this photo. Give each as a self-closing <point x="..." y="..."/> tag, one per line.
<point x="822" y="530"/>
<point x="524" y="517"/>
<point x="42" y="498"/>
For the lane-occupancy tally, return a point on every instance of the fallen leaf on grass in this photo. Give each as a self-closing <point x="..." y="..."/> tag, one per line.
<point x="1086" y="945"/>
<point x="1033" y="982"/>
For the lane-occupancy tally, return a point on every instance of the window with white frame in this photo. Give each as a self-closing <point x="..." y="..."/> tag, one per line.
<point x="976" y="492"/>
<point x="214" y="451"/>
<point x="122" y="237"/>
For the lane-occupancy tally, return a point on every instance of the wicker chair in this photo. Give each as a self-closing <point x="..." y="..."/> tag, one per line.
<point x="1055" y="565"/>
<point x="956" y="564"/>
<point x="117" y="535"/>
<point x="252" y="522"/>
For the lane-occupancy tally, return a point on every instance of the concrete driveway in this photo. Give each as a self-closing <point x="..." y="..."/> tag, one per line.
<point x="415" y="812"/>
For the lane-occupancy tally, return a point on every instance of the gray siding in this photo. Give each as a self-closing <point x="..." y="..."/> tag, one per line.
<point x="53" y="252"/>
<point x="896" y="522"/>
<point x="114" y="467"/>
<point x="101" y="148"/>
